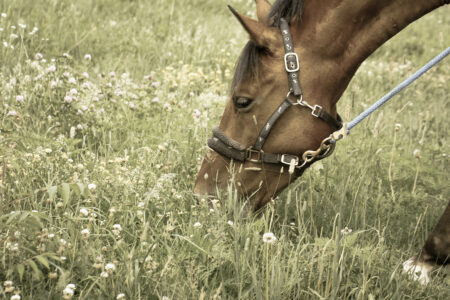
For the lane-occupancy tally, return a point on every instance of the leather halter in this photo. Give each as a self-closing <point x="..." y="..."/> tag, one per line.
<point x="229" y="148"/>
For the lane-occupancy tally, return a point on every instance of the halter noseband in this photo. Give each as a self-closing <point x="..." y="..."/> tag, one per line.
<point x="229" y="148"/>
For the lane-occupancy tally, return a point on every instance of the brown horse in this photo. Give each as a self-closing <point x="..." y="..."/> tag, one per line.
<point x="332" y="38"/>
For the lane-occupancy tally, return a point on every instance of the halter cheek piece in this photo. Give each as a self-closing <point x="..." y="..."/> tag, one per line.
<point x="229" y="148"/>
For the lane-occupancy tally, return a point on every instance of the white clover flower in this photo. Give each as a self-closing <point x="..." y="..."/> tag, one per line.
<point x="80" y="127"/>
<point x="346" y="231"/>
<point x="5" y="44"/>
<point x="73" y="92"/>
<point x="85" y="75"/>
<point x="23" y="26"/>
<point x="68" y="99"/>
<point x="156" y="84"/>
<point x="167" y="106"/>
<point x="197" y="225"/>
<point x="20" y="98"/>
<point x="51" y="69"/>
<point x="71" y="286"/>
<point x="13" y="36"/>
<point x="416" y="153"/>
<point x="110" y="268"/>
<point x="85" y="233"/>
<point x="269" y="238"/>
<point x="231" y="223"/>
<point x="112" y="74"/>
<point x="84" y="108"/>
<point x="3" y="15"/>
<point x="165" y="298"/>
<point x="38" y="56"/>
<point x="15" y="297"/>
<point x="48" y="150"/>
<point x="117" y="229"/>
<point x="92" y="186"/>
<point x="11" y="113"/>
<point x="104" y="275"/>
<point x="72" y="80"/>
<point x="8" y="283"/>
<point x="141" y="205"/>
<point x="196" y="114"/>
<point x="121" y="296"/>
<point x="84" y="212"/>
<point x="87" y="56"/>
<point x="398" y="126"/>
<point x="155" y="100"/>
<point x="67" y="293"/>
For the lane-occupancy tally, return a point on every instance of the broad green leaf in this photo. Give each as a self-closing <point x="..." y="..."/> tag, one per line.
<point x="42" y="260"/>
<point x="65" y="192"/>
<point x="20" y="269"/>
<point x="52" y="191"/>
<point x="37" y="272"/>
<point x="81" y="187"/>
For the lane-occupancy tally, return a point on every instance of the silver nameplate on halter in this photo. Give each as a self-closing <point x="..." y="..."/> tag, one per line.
<point x="286" y="63"/>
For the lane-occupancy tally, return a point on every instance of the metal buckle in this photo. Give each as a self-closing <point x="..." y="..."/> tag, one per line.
<point x="286" y="62"/>
<point x="284" y="161"/>
<point x="319" y="110"/>
<point x="250" y="153"/>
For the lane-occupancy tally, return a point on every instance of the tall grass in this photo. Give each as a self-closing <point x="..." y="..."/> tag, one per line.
<point x="102" y="136"/>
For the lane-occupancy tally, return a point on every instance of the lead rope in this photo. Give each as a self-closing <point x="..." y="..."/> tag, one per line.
<point x="345" y="130"/>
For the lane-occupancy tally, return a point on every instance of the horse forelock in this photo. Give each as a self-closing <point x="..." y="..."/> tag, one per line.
<point x="247" y="66"/>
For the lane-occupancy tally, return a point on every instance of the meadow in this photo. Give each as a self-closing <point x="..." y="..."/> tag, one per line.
<point x="105" y="110"/>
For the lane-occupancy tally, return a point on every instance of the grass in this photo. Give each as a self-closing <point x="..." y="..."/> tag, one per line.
<point x="98" y="158"/>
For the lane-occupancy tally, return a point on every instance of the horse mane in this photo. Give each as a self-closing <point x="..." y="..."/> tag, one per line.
<point x="247" y="66"/>
<point x="290" y="10"/>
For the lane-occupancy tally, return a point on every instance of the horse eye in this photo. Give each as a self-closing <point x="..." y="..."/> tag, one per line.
<point x="242" y="102"/>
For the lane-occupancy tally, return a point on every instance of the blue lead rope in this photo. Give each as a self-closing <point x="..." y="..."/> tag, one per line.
<point x="397" y="89"/>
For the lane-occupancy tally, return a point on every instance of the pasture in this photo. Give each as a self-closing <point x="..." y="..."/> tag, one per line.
<point x="105" y="110"/>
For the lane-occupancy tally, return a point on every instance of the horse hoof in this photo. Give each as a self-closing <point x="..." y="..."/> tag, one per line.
<point x="418" y="271"/>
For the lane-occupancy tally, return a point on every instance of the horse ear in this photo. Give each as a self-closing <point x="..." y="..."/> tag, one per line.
<point x="261" y="34"/>
<point x="262" y="10"/>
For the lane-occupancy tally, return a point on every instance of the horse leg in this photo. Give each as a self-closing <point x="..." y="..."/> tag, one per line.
<point x="435" y="252"/>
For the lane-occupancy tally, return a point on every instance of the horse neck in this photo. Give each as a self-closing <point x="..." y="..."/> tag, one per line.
<point x="346" y="32"/>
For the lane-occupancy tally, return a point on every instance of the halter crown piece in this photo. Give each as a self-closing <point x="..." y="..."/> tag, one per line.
<point x="229" y="148"/>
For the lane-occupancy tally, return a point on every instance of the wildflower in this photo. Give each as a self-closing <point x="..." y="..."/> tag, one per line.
<point x="346" y="231"/>
<point x="15" y="297"/>
<point x="416" y="153"/>
<point x="68" y="293"/>
<point x="84" y="212"/>
<point x="48" y="150"/>
<point x="156" y="84"/>
<point x="112" y="74"/>
<point x="3" y="15"/>
<point x="80" y="127"/>
<point x="155" y="100"/>
<point x="85" y="75"/>
<point x="73" y="92"/>
<point x="269" y="238"/>
<point x="38" y="56"/>
<point x="11" y="113"/>
<point x="165" y="298"/>
<point x="104" y="275"/>
<point x="5" y="44"/>
<point x="398" y="126"/>
<point x="92" y="186"/>
<point x="72" y="80"/>
<point x="59" y="204"/>
<point x="121" y="296"/>
<point x="87" y="56"/>
<point x="84" y="108"/>
<point x="9" y="287"/>
<point x="167" y="107"/>
<point x="117" y="229"/>
<point x="231" y="223"/>
<point x="14" y="36"/>
<point x="23" y="26"/>
<point x="51" y="69"/>
<point x="196" y="114"/>
<point x="141" y="205"/>
<point x="20" y="98"/>
<point x="71" y="286"/>
<point x="147" y="77"/>
<point x="110" y="268"/>
<point x="197" y="225"/>
<point x="85" y="233"/>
